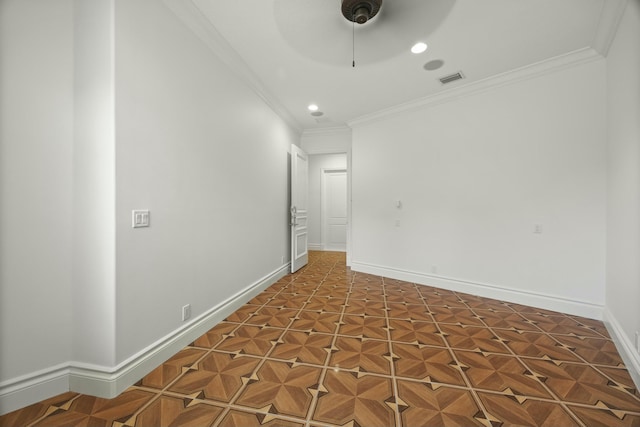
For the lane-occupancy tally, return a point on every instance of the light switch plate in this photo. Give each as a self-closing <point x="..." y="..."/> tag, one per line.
<point x="139" y="218"/>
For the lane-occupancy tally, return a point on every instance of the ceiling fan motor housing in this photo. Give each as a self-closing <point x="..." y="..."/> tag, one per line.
<point x="360" y="11"/>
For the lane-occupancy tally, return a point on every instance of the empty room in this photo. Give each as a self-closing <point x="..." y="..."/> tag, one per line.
<point x="319" y="213"/>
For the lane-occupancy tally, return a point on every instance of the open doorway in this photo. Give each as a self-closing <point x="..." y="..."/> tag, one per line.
<point x="328" y="202"/>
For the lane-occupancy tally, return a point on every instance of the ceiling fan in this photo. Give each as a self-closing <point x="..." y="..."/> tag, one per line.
<point x="360" y="11"/>
<point x="323" y="30"/>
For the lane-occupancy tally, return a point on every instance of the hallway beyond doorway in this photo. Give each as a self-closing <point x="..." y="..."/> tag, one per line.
<point x="322" y="235"/>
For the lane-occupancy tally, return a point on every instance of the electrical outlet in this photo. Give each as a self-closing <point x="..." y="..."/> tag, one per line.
<point x="186" y="312"/>
<point x="537" y="228"/>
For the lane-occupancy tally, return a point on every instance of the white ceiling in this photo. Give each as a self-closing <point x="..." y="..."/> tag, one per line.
<point x="297" y="52"/>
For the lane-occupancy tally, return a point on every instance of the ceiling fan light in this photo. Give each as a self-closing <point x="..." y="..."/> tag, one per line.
<point x="312" y="107"/>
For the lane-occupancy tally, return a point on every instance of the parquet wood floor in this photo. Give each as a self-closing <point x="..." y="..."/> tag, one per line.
<point x="329" y="347"/>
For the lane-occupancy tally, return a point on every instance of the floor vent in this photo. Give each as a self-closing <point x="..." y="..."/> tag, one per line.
<point x="451" y="78"/>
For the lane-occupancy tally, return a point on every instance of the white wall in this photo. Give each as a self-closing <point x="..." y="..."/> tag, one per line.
<point x="36" y="143"/>
<point x="317" y="163"/>
<point x="209" y="159"/>
<point x="474" y="175"/>
<point x="94" y="290"/>
<point x="109" y="106"/>
<point x="623" y="215"/>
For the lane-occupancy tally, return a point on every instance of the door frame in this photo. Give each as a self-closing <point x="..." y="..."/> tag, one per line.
<point x="313" y="150"/>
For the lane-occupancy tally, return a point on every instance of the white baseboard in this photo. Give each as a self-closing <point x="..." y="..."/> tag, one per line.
<point x="34" y="387"/>
<point x="108" y="382"/>
<point x="534" y="299"/>
<point x="630" y="356"/>
<point x="323" y="248"/>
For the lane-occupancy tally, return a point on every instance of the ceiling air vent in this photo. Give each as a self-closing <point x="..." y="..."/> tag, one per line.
<point x="451" y="78"/>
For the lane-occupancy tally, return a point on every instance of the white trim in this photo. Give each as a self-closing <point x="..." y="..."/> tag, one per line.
<point x="610" y="17"/>
<point x="335" y="249"/>
<point x="571" y="59"/>
<point x="315" y="247"/>
<point x="34" y="387"/>
<point x="314" y="150"/>
<point x="349" y="210"/>
<point x="108" y="382"/>
<point x="630" y="356"/>
<point x="191" y="15"/>
<point x="323" y="248"/>
<point x="535" y="299"/>
<point x="334" y="142"/>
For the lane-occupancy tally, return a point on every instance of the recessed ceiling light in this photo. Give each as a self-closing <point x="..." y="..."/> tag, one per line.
<point x="313" y="107"/>
<point x="419" y="48"/>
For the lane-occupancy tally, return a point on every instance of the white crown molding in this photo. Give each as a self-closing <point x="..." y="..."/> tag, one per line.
<point x="193" y="17"/>
<point x="571" y="59"/>
<point x="197" y="22"/>
<point x="610" y="17"/>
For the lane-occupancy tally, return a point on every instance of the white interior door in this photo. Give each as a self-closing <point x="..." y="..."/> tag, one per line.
<point x="299" y="208"/>
<point x="334" y="210"/>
